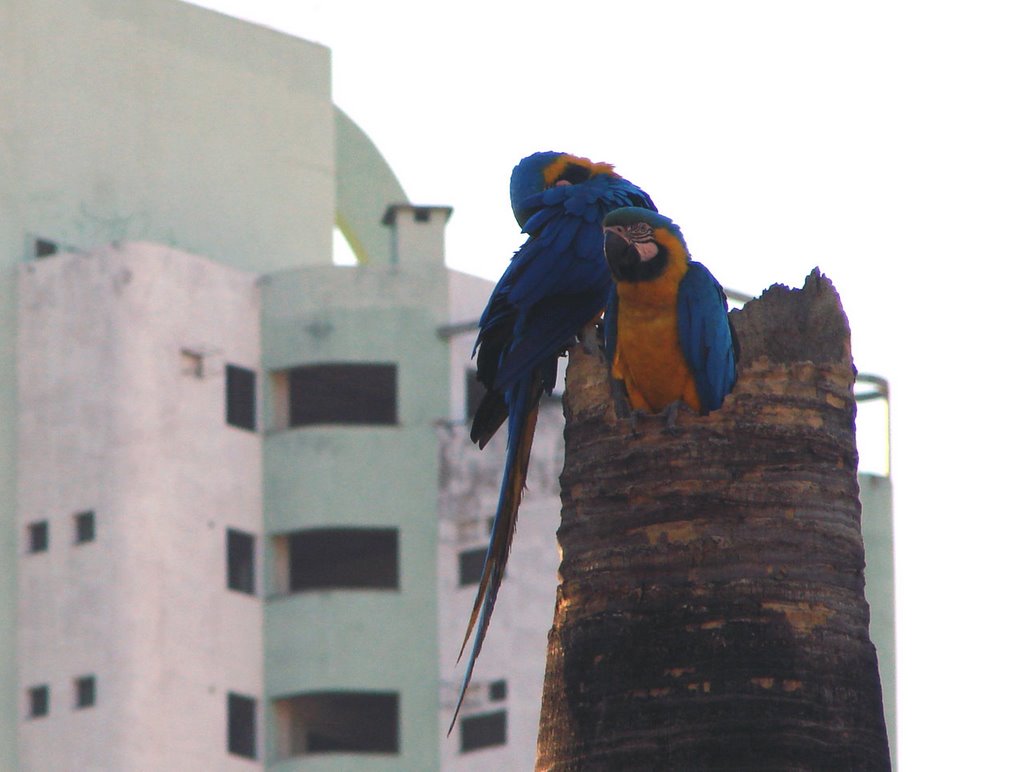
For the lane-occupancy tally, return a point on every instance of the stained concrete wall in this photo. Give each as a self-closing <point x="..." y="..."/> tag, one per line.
<point x="516" y="645"/>
<point x="156" y="120"/>
<point x="110" y="421"/>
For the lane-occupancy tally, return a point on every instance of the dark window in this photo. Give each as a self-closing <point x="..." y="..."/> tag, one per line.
<point x="241" y="397"/>
<point x="241" y="561"/>
<point x="421" y="214"/>
<point x="498" y="690"/>
<point x="354" y="558"/>
<point x="85" y="527"/>
<point x="474" y="393"/>
<point x="345" y="722"/>
<point x="343" y="394"/>
<point x="241" y="725"/>
<point x="45" y="248"/>
<point x="85" y="691"/>
<point x="38" y="536"/>
<point x="484" y="731"/>
<point x="471" y="566"/>
<point x="38" y="701"/>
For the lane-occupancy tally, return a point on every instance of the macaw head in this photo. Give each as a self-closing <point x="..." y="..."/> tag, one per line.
<point x="547" y="169"/>
<point x="640" y="244"/>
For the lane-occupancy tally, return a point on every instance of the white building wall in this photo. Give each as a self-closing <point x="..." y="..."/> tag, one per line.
<point x="467" y="296"/>
<point x="109" y="421"/>
<point x="515" y="649"/>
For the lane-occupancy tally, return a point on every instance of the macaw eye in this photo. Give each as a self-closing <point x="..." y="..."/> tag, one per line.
<point x="574" y="174"/>
<point x="640" y="231"/>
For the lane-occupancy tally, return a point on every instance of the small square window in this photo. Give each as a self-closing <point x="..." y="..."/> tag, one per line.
<point x="471" y="566"/>
<point x="45" y="248"/>
<point x="85" y="691"/>
<point x="38" y="536"/>
<point x="85" y="527"/>
<point x="498" y="690"/>
<point x="38" y="701"/>
<point x="484" y="731"/>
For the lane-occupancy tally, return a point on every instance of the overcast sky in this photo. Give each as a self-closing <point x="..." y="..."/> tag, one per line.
<point x="882" y="141"/>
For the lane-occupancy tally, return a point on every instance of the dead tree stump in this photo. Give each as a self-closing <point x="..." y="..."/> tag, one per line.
<point x="710" y="612"/>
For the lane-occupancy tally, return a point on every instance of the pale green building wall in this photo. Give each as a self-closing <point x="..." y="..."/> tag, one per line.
<point x="361" y="476"/>
<point x="156" y="120"/>
<point x="365" y="186"/>
<point x="880" y="590"/>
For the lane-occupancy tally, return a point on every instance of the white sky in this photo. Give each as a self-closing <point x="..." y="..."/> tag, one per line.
<point x="882" y="141"/>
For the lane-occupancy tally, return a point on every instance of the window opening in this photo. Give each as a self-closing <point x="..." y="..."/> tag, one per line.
<point x="483" y="731"/>
<point x="241" y="725"/>
<point x="85" y="527"/>
<point x="241" y="553"/>
<point x="471" y="566"/>
<point x="351" y="558"/>
<point x="240" y="387"/>
<point x="38" y="536"/>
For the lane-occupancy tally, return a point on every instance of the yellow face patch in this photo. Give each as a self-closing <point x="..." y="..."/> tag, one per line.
<point x="677" y="254"/>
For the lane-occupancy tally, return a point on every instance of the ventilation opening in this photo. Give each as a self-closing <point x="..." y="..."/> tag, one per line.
<point x="38" y="536"/>
<point x="337" y="394"/>
<point x="38" y="701"/>
<point x="337" y="722"/>
<point x="471" y="566"/>
<point x="45" y="248"/>
<point x="337" y="558"/>
<point x="85" y="692"/>
<point x="85" y="527"/>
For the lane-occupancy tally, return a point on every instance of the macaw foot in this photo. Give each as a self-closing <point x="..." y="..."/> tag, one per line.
<point x="671" y="414"/>
<point x="634" y="422"/>
<point x="620" y="399"/>
<point x="591" y="343"/>
<point x="599" y="333"/>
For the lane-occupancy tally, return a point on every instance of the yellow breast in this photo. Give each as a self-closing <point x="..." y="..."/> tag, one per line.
<point x="648" y="358"/>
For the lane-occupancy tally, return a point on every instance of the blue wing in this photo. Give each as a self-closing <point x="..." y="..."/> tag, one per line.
<point x="706" y="336"/>
<point x="556" y="283"/>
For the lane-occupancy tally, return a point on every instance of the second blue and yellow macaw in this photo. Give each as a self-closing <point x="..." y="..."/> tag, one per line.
<point x="555" y="286"/>
<point x="667" y="333"/>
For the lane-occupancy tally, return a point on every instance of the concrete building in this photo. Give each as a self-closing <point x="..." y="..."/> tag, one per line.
<point x="244" y="518"/>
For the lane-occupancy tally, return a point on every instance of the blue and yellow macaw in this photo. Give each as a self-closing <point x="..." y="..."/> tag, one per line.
<point x="667" y="333"/>
<point x="555" y="286"/>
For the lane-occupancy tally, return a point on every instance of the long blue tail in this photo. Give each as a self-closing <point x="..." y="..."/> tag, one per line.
<point x="522" y="420"/>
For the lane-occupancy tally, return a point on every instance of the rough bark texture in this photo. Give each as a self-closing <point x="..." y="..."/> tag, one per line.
<point x="711" y="612"/>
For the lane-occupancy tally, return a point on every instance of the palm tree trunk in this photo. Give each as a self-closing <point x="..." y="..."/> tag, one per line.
<point x="710" y="612"/>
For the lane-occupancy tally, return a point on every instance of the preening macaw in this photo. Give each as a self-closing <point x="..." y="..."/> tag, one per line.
<point x="667" y="332"/>
<point x="556" y="284"/>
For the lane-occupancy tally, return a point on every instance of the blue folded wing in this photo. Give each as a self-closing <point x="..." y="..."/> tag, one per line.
<point x="705" y="335"/>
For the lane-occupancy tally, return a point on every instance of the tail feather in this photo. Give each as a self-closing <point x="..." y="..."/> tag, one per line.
<point x="522" y="423"/>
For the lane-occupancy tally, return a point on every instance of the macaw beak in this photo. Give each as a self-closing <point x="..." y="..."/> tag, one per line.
<point x="619" y="253"/>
